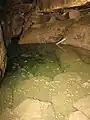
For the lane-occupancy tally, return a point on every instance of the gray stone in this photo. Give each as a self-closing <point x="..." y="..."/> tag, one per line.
<point x="83" y="105"/>
<point x="78" y="116"/>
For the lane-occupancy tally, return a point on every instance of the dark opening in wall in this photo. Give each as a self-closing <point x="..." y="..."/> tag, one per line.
<point x="27" y="1"/>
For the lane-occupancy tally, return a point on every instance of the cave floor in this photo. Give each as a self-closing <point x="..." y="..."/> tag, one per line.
<point x="48" y="74"/>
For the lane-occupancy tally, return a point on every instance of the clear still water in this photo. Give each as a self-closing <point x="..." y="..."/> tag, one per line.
<point x="47" y="73"/>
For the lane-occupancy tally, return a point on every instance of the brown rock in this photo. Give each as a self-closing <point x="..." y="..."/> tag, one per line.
<point x="78" y="35"/>
<point x="74" y="14"/>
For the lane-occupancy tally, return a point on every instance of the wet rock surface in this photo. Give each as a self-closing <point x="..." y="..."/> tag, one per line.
<point x="47" y="79"/>
<point x="47" y="75"/>
<point x="83" y="105"/>
<point x="78" y="116"/>
<point x="30" y="109"/>
<point x="36" y="110"/>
